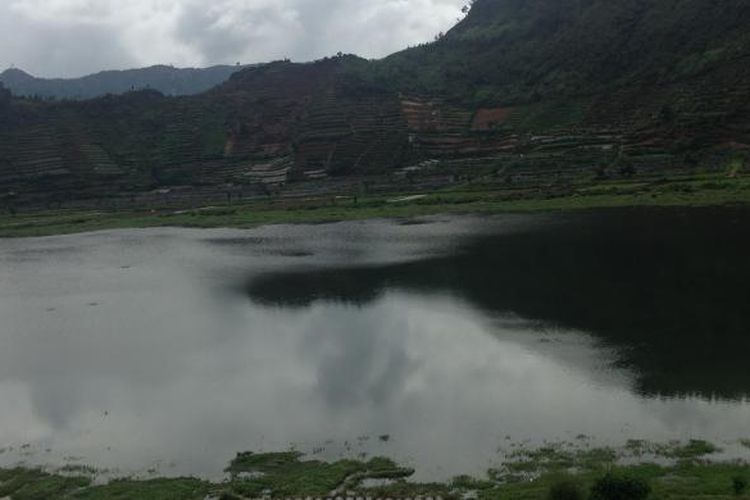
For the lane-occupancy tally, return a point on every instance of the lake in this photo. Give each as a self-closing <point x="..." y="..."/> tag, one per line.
<point x="442" y="342"/>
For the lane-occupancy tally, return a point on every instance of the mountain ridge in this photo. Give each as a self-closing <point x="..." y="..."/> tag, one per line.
<point x="166" y="79"/>
<point x="521" y="93"/>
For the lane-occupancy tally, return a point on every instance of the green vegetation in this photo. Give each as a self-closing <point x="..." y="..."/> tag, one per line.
<point x="689" y="451"/>
<point x="567" y="488"/>
<point x="614" y="487"/>
<point x="526" y="51"/>
<point x="700" y="190"/>
<point x="739" y="485"/>
<point x="155" y="489"/>
<point x="555" y="472"/>
<point x="26" y="484"/>
<point x="281" y="474"/>
<point x="34" y="484"/>
<point x="541" y="89"/>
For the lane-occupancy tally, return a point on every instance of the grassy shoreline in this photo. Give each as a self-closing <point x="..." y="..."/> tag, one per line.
<point x="667" y="470"/>
<point x="693" y="191"/>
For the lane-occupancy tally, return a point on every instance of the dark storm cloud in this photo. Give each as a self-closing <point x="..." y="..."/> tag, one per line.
<point x="73" y="37"/>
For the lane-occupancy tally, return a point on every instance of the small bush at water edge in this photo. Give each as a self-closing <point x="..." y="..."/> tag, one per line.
<point x="566" y="489"/>
<point x="612" y="487"/>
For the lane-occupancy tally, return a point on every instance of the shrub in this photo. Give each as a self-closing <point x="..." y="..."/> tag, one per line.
<point x="612" y="487"/>
<point x="566" y="489"/>
<point x="739" y="485"/>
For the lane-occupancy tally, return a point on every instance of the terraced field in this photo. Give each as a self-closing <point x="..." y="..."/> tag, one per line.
<point x="311" y="129"/>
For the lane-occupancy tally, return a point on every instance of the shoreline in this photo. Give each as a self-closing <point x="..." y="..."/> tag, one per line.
<point x="687" y="192"/>
<point x="674" y="469"/>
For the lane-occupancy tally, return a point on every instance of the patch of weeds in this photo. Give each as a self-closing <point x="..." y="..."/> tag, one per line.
<point x="263" y="462"/>
<point x="154" y="489"/>
<point x="566" y="488"/>
<point x="304" y="479"/>
<point x="546" y="458"/>
<point x="739" y="485"/>
<point x="716" y="185"/>
<point x="616" y="487"/>
<point x="403" y="488"/>
<point x="695" y="448"/>
<point x="468" y="483"/>
<point x="385" y="468"/>
<point x="595" y="458"/>
<point x="557" y="458"/>
<point x="505" y="476"/>
<point x="35" y="484"/>
<point x="214" y="212"/>
<point x="638" y="447"/>
<point x="280" y="474"/>
<point x="735" y="167"/>
<point x="557" y="472"/>
<point x="78" y="469"/>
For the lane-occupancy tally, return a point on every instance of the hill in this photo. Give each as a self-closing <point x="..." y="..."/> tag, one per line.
<point x="166" y="79"/>
<point x="510" y="51"/>
<point x="521" y="93"/>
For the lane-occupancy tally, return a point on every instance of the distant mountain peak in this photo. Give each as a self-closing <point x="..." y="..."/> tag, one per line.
<point x="168" y="80"/>
<point x="14" y="72"/>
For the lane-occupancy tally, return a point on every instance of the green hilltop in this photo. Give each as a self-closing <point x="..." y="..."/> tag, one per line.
<point x="510" y="51"/>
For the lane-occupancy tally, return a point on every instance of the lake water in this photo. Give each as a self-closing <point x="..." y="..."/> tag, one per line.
<point x="440" y="342"/>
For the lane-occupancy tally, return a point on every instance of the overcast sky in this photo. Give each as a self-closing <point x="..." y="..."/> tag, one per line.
<point x="76" y="37"/>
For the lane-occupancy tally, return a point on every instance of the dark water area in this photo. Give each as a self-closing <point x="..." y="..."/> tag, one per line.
<point x="668" y="289"/>
<point x="443" y="344"/>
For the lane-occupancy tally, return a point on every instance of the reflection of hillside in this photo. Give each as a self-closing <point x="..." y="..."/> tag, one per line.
<point x="665" y="287"/>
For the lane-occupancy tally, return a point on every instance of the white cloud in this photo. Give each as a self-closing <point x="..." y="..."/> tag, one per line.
<point x="73" y="37"/>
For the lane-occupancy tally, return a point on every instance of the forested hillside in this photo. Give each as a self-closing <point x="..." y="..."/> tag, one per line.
<point x="532" y="91"/>
<point x="509" y="51"/>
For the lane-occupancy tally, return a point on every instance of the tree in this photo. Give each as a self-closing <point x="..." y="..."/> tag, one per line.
<point x="5" y="96"/>
<point x="613" y="487"/>
<point x="467" y="8"/>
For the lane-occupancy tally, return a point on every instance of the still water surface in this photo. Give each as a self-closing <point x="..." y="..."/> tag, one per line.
<point x="438" y="343"/>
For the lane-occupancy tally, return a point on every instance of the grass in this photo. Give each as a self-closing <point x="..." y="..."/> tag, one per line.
<point x="32" y="484"/>
<point x="706" y="190"/>
<point x="527" y="474"/>
<point x="154" y="489"/>
<point x="281" y="474"/>
<point x="682" y="471"/>
<point x="693" y="449"/>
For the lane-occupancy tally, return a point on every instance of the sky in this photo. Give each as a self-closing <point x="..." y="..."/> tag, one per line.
<point x="68" y="38"/>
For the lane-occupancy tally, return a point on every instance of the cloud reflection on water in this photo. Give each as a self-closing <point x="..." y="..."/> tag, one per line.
<point x="167" y="369"/>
